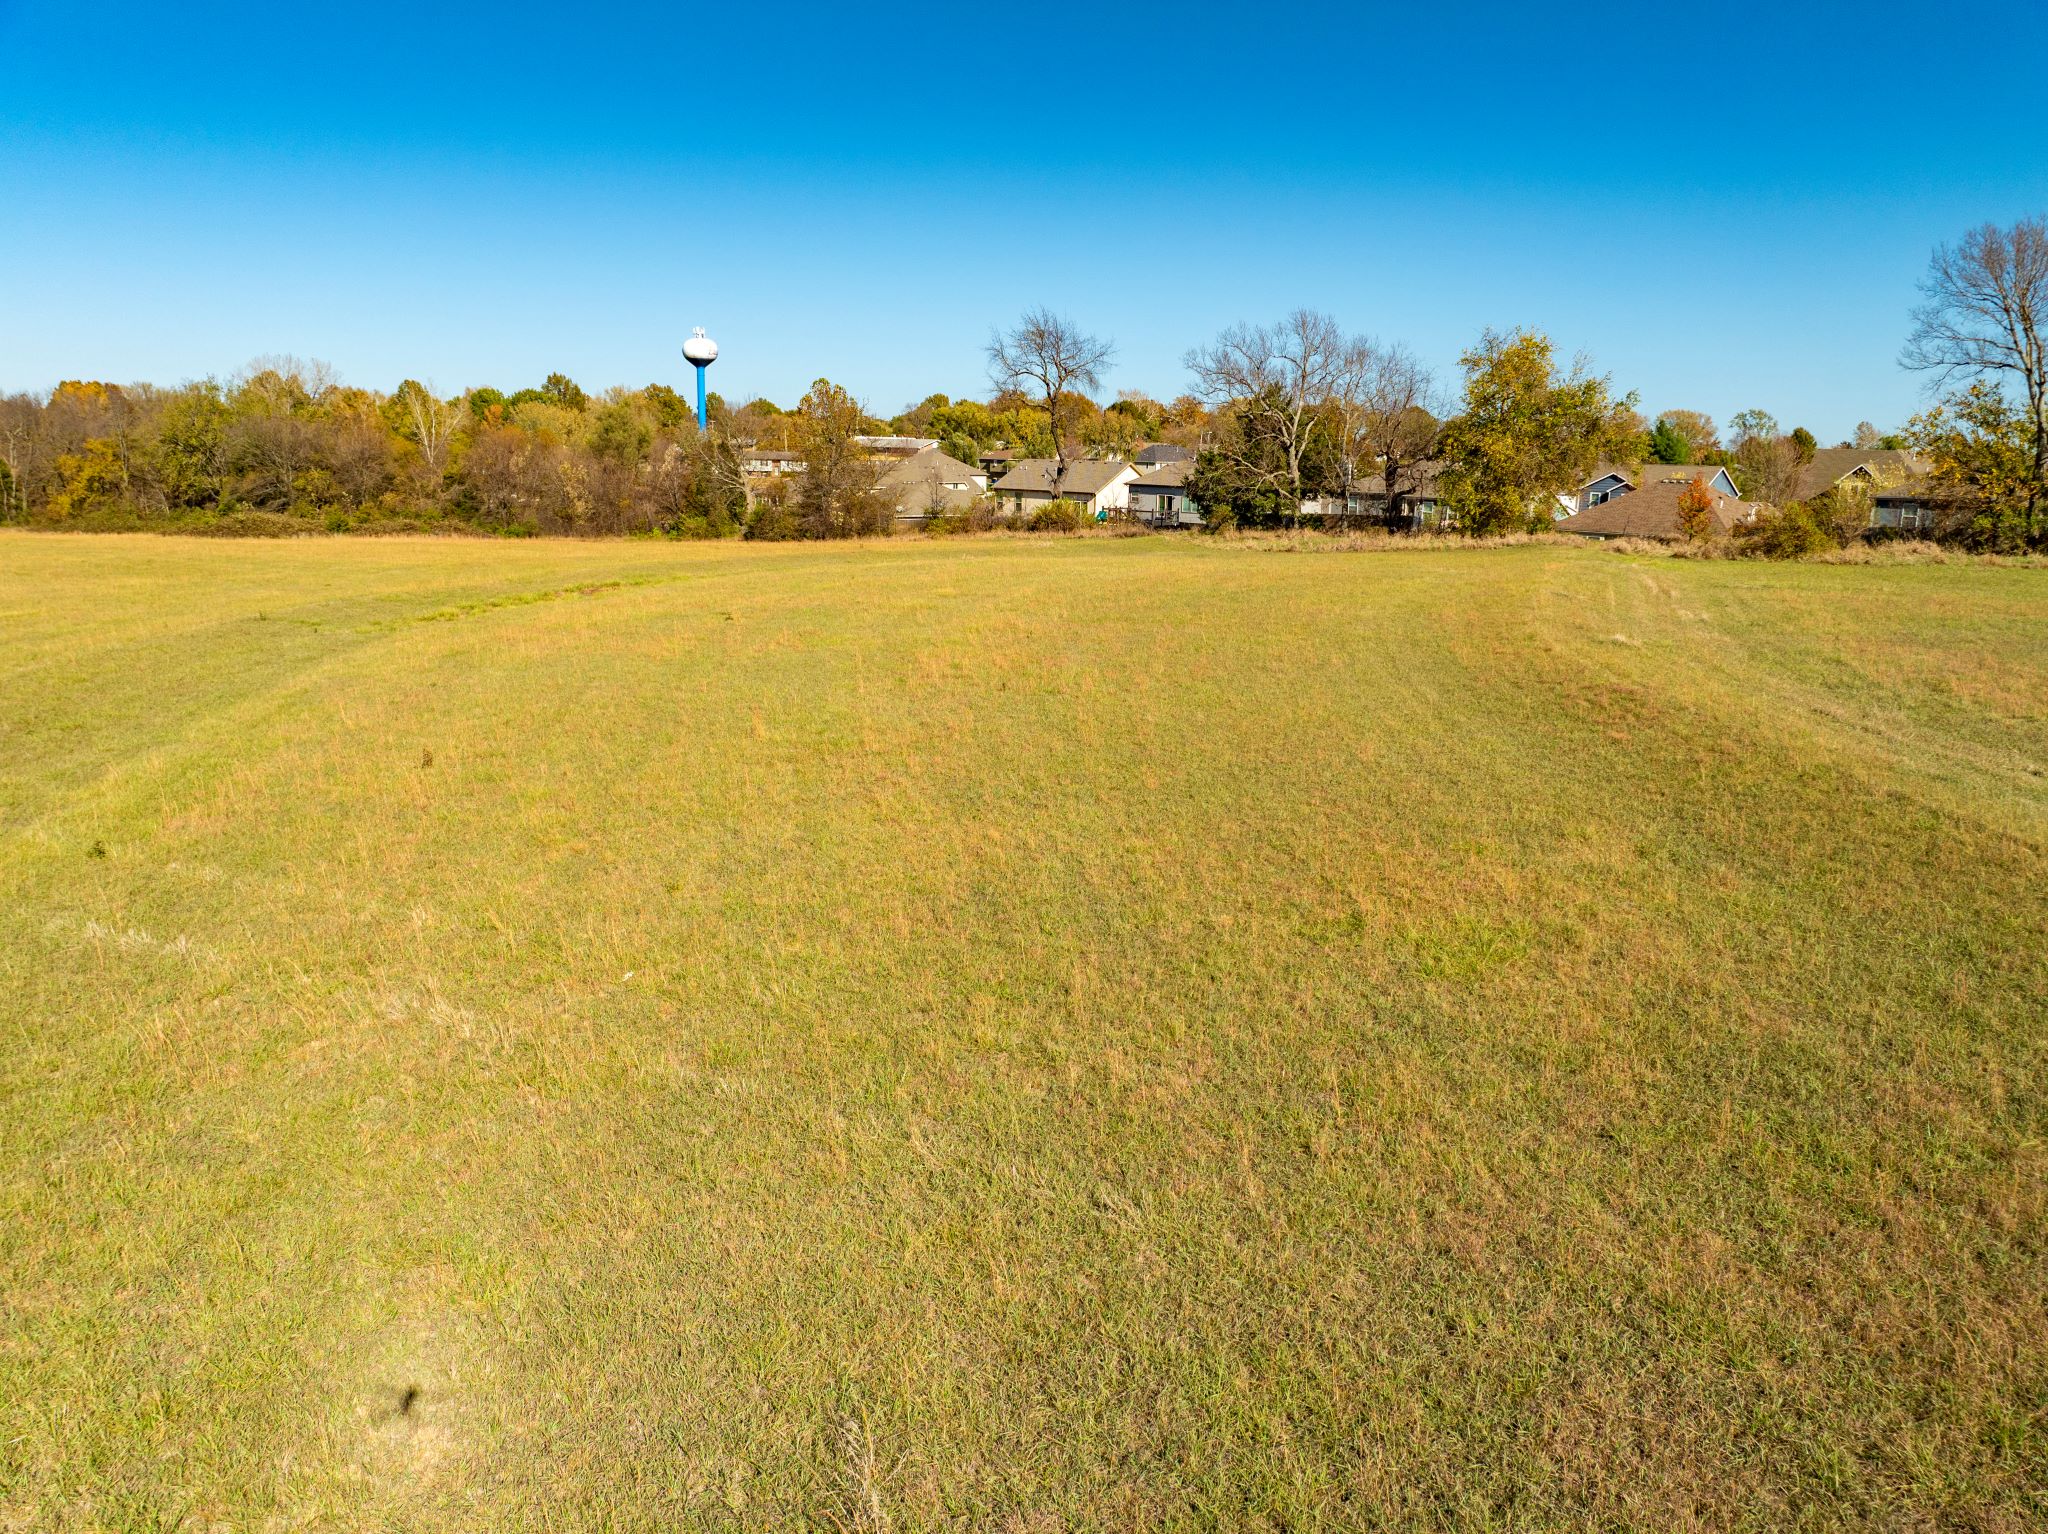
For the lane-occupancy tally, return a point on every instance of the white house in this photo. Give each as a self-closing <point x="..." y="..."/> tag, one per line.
<point x="764" y="461"/>
<point x="1100" y="487"/>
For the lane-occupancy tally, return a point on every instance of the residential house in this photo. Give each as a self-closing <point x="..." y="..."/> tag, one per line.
<point x="1098" y="485"/>
<point x="1159" y="497"/>
<point x="764" y="462"/>
<point x="1418" y="504"/>
<point x="1832" y="467"/>
<point x="895" y="447"/>
<point x="1417" y="507"/>
<point x="1155" y="455"/>
<point x="1891" y="479"/>
<point x="1611" y="480"/>
<point x="996" y="461"/>
<point x="1907" y="506"/>
<point x="930" y="482"/>
<point x="1650" y="510"/>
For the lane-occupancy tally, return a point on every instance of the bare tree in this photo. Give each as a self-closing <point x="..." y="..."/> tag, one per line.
<point x="1987" y="304"/>
<point x="284" y="379"/>
<point x="1284" y="379"/>
<point x="1349" y="409"/>
<point x="723" y="481"/>
<point x="21" y="419"/>
<point x="355" y="450"/>
<point x="272" y="439"/>
<point x="273" y="450"/>
<point x="1391" y="422"/>
<point x="1767" y="461"/>
<point x="1052" y="357"/>
<point x="431" y="422"/>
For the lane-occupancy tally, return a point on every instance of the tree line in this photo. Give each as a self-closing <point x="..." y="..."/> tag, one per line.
<point x="1279" y="415"/>
<point x="1303" y="412"/>
<point x="287" y="447"/>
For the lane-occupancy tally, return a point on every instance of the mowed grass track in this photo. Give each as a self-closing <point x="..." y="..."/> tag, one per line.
<point x="1088" y="1034"/>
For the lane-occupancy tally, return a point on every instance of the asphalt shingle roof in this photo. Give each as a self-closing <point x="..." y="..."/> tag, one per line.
<point x="1085" y="476"/>
<point x="1831" y="465"/>
<point x="1652" y="512"/>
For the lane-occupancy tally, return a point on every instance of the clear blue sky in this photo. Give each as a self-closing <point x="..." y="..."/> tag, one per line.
<point x="1723" y="208"/>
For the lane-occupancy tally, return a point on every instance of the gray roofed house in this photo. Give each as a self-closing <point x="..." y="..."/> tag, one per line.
<point x="1098" y="484"/>
<point x="1909" y="505"/>
<point x="1162" y="452"/>
<point x="931" y="481"/>
<point x="1418" y="505"/>
<point x="1158" y="495"/>
<point x="1420" y="480"/>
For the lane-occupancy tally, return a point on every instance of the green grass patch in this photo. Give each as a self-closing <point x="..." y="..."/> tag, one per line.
<point x="1079" y="1034"/>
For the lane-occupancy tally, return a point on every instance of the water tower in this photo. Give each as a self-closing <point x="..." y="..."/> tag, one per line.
<point x="702" y="352"/>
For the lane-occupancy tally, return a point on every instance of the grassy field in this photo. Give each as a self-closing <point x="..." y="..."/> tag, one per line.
<point x="1080" y="1034"/>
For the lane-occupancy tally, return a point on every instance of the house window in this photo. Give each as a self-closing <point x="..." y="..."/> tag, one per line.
<point x="1166" y="503"/>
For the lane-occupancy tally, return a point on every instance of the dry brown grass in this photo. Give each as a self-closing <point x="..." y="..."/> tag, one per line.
<point x="1897" y="551"/>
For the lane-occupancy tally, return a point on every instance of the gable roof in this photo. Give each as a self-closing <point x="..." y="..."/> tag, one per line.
<point x="1831" y="465"/>
<point x="1421" y="480"/>
<point x="1085" y="476"/>
<point x="1914" y="487"/>
<point x="1642" y="474"/>
<point x="1161" y="452"/>
<point x="932" y="477"/>
<point x="1164" y="476"/>
<point x="1651" y="511"/>
<point x="933" y="463"/>
<point x="906" y="446"/>
<point x="1681" y="474"/>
